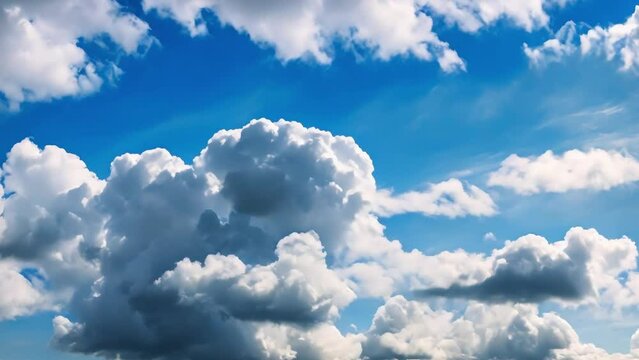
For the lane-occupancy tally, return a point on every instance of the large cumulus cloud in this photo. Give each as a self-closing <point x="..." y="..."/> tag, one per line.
<point x="247" y="251"/>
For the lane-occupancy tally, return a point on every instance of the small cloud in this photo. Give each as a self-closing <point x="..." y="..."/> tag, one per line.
<point x="489" y="236"/>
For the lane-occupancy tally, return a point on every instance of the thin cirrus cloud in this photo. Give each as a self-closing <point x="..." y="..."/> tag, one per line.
<point x="40" y="55"/>
<point x="616" y="42"/>
<point x="595" y="169"/>
<point x="254" y="249"/>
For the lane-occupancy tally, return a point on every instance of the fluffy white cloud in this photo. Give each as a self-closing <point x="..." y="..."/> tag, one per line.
<point x="309" y="28"/>
<point x="448" y="198"/>
<point x="41" y="56"/>
<point x="619" y="42"/>
<point x="409" y="329"/>
<point x="385" y="28"/>
<point x="594" y="169"/>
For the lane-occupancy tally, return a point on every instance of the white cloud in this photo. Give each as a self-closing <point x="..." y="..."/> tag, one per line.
<point x="384" y="28"/>
<point x="554" y="49"/>
<point x="618" y="42"/>
<point x="473" y="15"/>
<point x="410" y="329"/>
<point x="448" y="198"/>
<point x="594" y="169"/>
<point x="41" y="57"/>
<point x="490" y="236"/>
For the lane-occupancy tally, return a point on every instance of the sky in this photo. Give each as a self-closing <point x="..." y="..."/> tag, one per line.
<point x="197" y="179"/>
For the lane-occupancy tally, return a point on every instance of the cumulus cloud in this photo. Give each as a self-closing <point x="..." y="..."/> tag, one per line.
<point x="42" y="56"/>
<point x="530" y="269"/>
<point x="616" y="42"/>
<point x="386" y="29"/>
<point x="404" y="329"/>
<point x="232" y="250"/>
<point x="594" y="169"/>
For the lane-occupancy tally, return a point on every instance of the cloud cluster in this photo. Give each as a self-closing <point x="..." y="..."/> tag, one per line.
<point x="252" y="250"/>
<point x="46" y="45"/>
<point x="594" y="169"/>
<point x="615" y="42"/>
<point x="42" y="56"/>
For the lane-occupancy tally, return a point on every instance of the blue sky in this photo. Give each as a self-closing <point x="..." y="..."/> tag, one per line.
<point x="419" y="125"/>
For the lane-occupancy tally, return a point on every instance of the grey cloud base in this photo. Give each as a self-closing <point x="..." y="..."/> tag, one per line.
<point x="254" y="249"/>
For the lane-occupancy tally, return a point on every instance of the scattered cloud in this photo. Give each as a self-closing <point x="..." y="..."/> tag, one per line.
<point x="385" y="29"/>
<point x="595" y="169"/>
